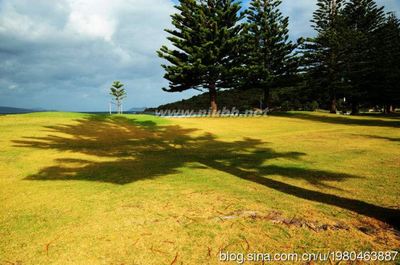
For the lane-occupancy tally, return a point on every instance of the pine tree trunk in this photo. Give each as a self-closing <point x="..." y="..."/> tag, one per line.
<point x="333" y="108"/>
<point x="213" y="98"/>
<point x="266" y="98"/>
<point x="332" y="98"/>
<point x="332" y="89"/>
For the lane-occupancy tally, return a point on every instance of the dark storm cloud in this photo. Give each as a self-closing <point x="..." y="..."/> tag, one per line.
<point x="65" y="54"/>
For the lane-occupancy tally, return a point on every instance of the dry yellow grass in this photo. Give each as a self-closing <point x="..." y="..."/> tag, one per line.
<point x="87" y="189"/>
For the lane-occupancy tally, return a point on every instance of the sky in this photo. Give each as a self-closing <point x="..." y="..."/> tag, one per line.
<point x="65" y="54"/>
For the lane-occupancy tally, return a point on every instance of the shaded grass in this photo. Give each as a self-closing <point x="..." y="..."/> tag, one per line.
<point x="367" y="120"/>
<point x="89" y="189"/>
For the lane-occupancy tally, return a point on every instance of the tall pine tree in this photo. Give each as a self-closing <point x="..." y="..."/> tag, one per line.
<point x="363" y="20"/>
<point x="323" y="54"/>
<point x="206" y="37"/>
<point x="386" y="82"/>
<point x="268" y="53"/>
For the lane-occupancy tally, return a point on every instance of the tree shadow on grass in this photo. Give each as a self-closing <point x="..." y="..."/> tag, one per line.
<point x="123" y="151"/>
<point x="377" y="137"/>
<point x="367" y="120"/>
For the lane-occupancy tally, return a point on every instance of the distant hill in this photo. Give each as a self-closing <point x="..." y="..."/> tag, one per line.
<point x="239" y="99"/>
<point x="11" y="110"/>
<point x="287" y="98"/>
<point x="136" y="110"/>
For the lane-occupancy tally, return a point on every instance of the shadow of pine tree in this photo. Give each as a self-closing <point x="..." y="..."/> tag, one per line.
<point x="134" y="150"/>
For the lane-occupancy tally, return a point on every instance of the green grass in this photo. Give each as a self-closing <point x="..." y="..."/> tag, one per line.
<point x="133" y="189"/>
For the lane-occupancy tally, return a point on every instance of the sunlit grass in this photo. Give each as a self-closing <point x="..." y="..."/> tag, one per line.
<point x="87" y="189"/>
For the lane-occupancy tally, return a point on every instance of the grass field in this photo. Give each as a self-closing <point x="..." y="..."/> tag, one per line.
<point x="87" y="189"/>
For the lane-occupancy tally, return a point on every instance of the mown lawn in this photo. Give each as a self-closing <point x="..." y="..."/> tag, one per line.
<point x="87" y="189"/>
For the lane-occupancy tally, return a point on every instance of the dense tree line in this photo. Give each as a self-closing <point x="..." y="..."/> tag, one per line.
<point x="354" y="58"/>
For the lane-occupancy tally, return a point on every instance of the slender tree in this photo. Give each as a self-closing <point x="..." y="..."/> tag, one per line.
<point x="205" y="37"/>
<point x="117" y="91"/>
<point x="268" y="56"/>
<point x="363" y="19"/>
<point x="323" y="55"/>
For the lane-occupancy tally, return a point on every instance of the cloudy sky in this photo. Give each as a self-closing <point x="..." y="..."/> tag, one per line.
<point x="64" y="54"/>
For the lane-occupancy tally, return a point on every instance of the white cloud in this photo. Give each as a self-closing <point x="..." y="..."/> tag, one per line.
<point x="12" y="87"/>
<point x="95" y="18"/>
<point x="92" y="25"/>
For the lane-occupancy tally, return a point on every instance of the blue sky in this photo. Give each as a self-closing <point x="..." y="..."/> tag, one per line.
<point x="65" y="54"/>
